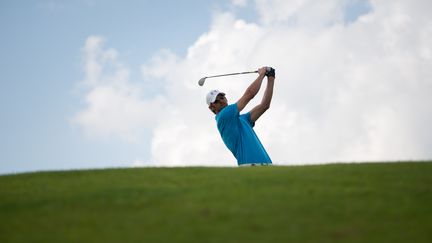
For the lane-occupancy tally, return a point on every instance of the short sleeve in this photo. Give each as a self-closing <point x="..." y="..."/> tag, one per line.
<point x="247" y="118"/>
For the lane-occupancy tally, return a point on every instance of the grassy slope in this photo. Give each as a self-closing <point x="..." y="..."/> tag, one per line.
<point x="329" y="203"/>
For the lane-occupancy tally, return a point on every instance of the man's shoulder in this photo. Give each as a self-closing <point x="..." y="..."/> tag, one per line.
<point x="229" y="109"/>
<point x="228" y="112"/>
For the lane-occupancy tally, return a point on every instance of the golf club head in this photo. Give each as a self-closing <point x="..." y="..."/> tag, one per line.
<point x="201" y="81"/>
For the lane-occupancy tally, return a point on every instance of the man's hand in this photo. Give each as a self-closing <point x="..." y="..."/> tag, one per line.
<point x="262" y="71"/>
<point x="270" y="72"/>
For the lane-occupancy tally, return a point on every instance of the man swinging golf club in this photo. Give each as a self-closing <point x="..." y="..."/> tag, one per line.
<point x="237" y="130"/>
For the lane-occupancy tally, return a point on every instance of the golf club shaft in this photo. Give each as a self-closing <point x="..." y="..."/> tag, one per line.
<point x="229" y="74"/>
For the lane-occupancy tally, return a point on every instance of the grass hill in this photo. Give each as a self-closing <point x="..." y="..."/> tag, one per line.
<point x="379" y="202"/>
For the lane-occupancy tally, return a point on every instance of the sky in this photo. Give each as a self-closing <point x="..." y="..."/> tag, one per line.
<point x="103" y="84"/>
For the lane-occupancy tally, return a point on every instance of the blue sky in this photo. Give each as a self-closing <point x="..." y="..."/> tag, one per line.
<point x="165" y="45"/>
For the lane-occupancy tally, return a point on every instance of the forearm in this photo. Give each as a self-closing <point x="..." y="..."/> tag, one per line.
<point x="268" y="94"/>
<point x="254" y="88"/>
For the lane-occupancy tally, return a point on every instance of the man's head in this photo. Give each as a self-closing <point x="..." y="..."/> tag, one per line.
<point x="216" y="101"/>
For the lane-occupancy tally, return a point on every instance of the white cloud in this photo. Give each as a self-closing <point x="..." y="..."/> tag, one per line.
<point x="239" y="3"/>
<point x="357" y="91"/>
<point x="310" y="13"/>
<point x="344" y="92"/>
<point x="115" y="107"/>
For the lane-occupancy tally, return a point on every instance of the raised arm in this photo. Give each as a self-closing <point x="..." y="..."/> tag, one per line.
<point x="252" y="90"/>
<point x="258" y="110"/>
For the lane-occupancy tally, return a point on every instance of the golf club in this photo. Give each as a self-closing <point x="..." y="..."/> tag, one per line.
<point x="202" y="80"/>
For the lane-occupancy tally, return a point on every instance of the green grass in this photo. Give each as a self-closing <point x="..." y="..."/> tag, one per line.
<point x="385" y="202"/>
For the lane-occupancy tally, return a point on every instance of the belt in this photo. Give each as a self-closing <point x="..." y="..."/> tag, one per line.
<point x="255" y="164"/>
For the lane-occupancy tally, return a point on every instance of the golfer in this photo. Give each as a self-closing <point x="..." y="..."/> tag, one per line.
<point x="237" y="130"/>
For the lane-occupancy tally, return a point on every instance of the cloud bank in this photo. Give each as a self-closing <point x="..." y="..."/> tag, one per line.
<point x="115" y="107"/>
<point x="345" y="91"/>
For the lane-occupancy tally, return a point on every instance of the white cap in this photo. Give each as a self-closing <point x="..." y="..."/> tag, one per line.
<point x="211" y="96"/>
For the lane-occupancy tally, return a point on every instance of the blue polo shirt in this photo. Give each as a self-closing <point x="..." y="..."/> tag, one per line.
<point x="238" y="135"/>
